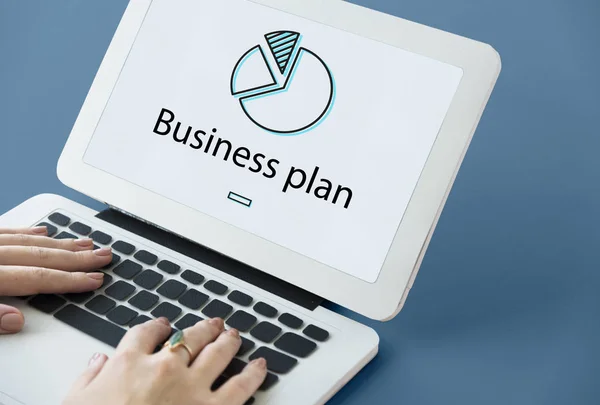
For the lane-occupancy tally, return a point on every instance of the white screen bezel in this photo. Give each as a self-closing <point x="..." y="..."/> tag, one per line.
<point x="380" y="300"/>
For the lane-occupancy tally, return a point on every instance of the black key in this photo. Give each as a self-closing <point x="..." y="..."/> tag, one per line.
<point x="59" y="219"/>
<point x="265" y="331"/>
<point x="192" y="277"/>
<point x="65" y="235"/>
<point x="91" y="325"/>
<point x="107" y="280"/>
<point x="270" y="381"/>
<point x="113" y="261"/>
<point x="242" y="321"/>
<point x="80" y="228"/>
<point x="218" y="382"/>
<point x="101" y="237"/>
<point x="193" y="299"/>
<point x="246" y="346"/>
<point x="240" y="298"/>
<point x="167" y="310"/>
<point x="128" y="269"/>
<point x="215" y="287"/>
<point x="291" y="321"/>
<point x="120" y="290"/>
<point x="296" y="345"/>
<point x="316" y="333"/>
<point x="144" y="300"/>
<point x="187" y="321"/>
<point x="171" y="289"/>
<point x="146" y="257"/>
<point x="276" y="362"/>
<point x="47" y="303"/>
<point x="168" y="267"/>
<point x="265" y="310"/>
<point x="148" y="279"/>
<point x="100" y="304"/>
<point x="250" y="401"/>
<point x="234" y="368"/>
<point x="51" y="228"/>
<point x="79" y="298"/>
<point x="140" y="319"/>
<point x="123" y="247"/>
<point x="122" y="315"/>
<point x="217" y="309"/>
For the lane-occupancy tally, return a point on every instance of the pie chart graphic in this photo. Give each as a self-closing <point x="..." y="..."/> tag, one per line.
<point x="282" y="87"/>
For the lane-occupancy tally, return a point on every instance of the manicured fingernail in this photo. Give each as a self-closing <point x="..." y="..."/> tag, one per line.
<point x="164" y="321"/>
<point x="85" y="242"/>
<point x="39" y="229"/>
<point x="262" y="363"/>
<point x="11" y="322"/>
<point x="103" y="251"/>
<point x="94" y="358"/>
<point x="96" y="276"/>
<point x="234" y="333"/>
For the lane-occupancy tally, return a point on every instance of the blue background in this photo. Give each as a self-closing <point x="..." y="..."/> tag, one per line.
<point x="506" y="309"/>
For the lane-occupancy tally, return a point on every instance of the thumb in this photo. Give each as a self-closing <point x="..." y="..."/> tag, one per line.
<point x="11" y="320"/>
<point x="94" y="367"/>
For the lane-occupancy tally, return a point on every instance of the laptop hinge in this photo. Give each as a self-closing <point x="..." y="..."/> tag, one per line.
<point x="211" y="258"/>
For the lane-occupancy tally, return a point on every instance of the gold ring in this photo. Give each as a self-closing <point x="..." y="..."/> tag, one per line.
<point x="177" y="340"/>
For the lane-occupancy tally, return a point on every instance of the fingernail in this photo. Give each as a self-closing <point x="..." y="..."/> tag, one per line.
<point x="11" y="322"/>
<point x="39" y="229"/>
<point x="234" y="333"/>
<point x="85" y="242"/>
<point x="216" y="321"/>
<point x="260" y="362"/>
<point x="96" y="276"/>
<point x="94" y="359"/>
<point x="103" y="251"/>
<point x="164" y="321"/>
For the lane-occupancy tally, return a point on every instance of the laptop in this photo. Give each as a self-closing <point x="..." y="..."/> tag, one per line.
<point x="257" y="159"/>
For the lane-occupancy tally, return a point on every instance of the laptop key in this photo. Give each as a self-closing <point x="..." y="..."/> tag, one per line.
<point x="193" y="299"/>
<point x="215" y="287"/>
<point x="266" y="332"/>
<point x="167" y="310"/>
<point x="245" y="347"/>
<point x="144" y="300"/>
<point x="101" y="237"/>
<point x="59" y="219"/>
<point x="270" y="381"/>
<point x="107" y="280"/>
<point x="79" y="298"/>
<point x="122" y="315"/>
<point x="100" y="304"/>
<point x="91" y="324"/>
<point x="128" y="269"/>
<point x="217" y="309"/>
<point x="192" y="277"/>
<point x="250" y="401"/>
<point x="123" y="247"/>
<point x="146" y="257"/>
<point x="120" y="290"/>
<point x="296" y="345"/>
<point x="113" y="261"/>
<point x="240" y="298"/>
<point x="140" y="319"/>
<point x="235" y="367"/>
<point x="187" y="321"/>
<point x="49" y="227"/>
<point x="80" y="228"/>
<point x="47" y="303"/>
<point x="316" y="333"/>
<point x="65" y="235"/>
<point x="168" y="267"/>
<point x="242" y="321"/>
<point x="276" y="362"/>
<point x="171" y="289"/>
<point x="291" y="321"/>
<point x="148" y="279"/>
<point x="265" y="310"/>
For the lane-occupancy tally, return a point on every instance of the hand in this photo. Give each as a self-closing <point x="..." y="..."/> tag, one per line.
<point x="31" y="263"/>
<point x="137" y="376"/>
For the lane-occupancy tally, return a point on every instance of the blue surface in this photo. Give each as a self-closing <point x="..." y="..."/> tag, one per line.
<point x="506" y="309"/>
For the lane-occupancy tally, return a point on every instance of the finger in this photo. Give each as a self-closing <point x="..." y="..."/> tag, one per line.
<point x="55" y="258"/>
<point x="36" y="230"/>
<point x="145" y="337"/>
<point x="11" y="320"/>
<point x="241" y="387"/>
<point x="215" y="357"/>
<point x="196" y="338"/>
<point x="20" y="281"/>
<point x="94" y="367"/>
<point x="73" y="245"/>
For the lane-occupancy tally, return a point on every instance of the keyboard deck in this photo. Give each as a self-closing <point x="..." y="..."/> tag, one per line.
<point x="140" y="285"/>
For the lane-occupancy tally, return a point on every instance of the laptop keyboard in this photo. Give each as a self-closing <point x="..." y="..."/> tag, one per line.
<point x="140" y="285"/>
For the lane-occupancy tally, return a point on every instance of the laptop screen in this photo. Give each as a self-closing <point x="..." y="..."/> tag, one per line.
<point x="302" y="134"/>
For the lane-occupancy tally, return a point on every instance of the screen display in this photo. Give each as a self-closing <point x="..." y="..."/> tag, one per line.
<point x="302" y="134"/>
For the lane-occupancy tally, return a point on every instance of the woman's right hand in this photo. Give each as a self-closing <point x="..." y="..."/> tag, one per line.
<point x="136" y="375"/>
